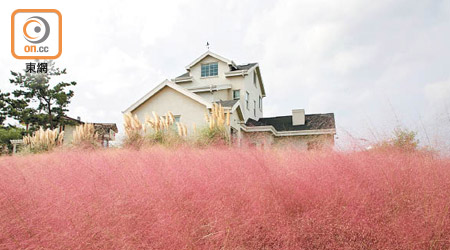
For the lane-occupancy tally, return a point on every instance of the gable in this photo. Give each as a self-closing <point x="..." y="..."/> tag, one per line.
<point x="168" y="99"/>
<point x="169" y="84"/>
<point x="210" y="55"/>
<point x="195" y="70"/>
<point x="209" y="59"/>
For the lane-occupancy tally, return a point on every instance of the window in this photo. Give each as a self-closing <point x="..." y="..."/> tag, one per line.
<point x="176" y="119"/>
<point x="260" y="103"/>
<point x="236" y="94"/>
<point x="254" y="78"/>
<point x="254" y="108"/>
<point x="210" y="69"/>
<point x="247" y="96"/>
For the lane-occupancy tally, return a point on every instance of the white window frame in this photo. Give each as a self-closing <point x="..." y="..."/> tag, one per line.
<point x="238" y="96"/>
<point x="247" y="97"/>
<point x="260" y="103"/>
<point x="208" y="72"/>
<point x="177" y="118"/>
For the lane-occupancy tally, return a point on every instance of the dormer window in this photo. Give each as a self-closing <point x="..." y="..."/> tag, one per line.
<point x="210" y="69"/>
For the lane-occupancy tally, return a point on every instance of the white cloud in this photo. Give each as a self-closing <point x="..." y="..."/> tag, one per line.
<point x="438" y="93"/>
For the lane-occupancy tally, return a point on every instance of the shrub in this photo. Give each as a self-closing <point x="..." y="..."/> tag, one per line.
<point x="134" y="131"/>
<point x="43" y="140"/>
<point x="405" y="139"/>
<point x="6" y="135"/>
<point x="156" y="130"/>
<point x="224" y="198"/>
<point x="163" y="129"/>
<point x="85" y="135"/>
<point x="217" y="131"/>
<point x="402" y="139"/>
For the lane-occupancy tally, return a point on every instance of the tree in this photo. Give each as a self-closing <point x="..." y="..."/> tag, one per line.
<point x="3" y="107"/>
<point x="38" y="103"/>
<point x="403" y="139"/>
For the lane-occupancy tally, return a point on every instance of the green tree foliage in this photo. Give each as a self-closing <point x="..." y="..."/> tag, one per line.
<point x="403" y="139"/>
<point x="38" y="102"/>
<point x="7" y="134"/>
<point x="3" y="107"/>
<point x="406" y="139"/>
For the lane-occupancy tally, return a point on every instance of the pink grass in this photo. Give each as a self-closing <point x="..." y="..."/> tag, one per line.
<point x="224" y="198"/>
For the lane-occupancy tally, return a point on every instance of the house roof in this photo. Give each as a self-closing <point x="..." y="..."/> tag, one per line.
<point x="228" y="103"/>
<point x="284" y="123"/>
<point x="209" y="53"/>
<point x="244" y="66"/>
<point x="111" y="126"/>
<point x="183" y="75"/>
<point x="234" y="68"/>
<point x="72" y="119"/>
<point x="97" y="125"/>
<point x="233" y="106"/>
<point x="167" y="83"/>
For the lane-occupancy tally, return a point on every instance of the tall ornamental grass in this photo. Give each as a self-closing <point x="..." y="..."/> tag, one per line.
<point x="224" y="198"/>
<point x="43" y="140"/>
<point x="164" y="130"/>
<point x="85" y="135"/>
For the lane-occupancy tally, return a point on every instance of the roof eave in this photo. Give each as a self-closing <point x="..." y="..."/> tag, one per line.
<point x="261" y="84"/>
<point x="270" y="128"/>
<point x="160" y="86"/>
<point x="236" y="73"/>
<point x="209" y="53"/>
<point x="182" y="79"/>
<point x="211" y="88"/>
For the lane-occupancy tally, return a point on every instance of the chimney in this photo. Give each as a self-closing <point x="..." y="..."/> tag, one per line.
<point x="298" y="117"/>
<point x="79" y="118"/>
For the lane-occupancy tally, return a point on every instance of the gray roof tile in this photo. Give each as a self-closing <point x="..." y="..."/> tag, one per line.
<point x="183" y="75"/>
<point x="227" y="103"/>
<point x="284" y="123"/>
<point x="244" y="66"/>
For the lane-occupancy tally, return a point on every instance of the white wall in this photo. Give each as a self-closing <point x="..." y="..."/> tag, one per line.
<point x="215" y="95"/>
<point x="68" y="134"/>
<point x="171" y="100"/>
<point x="255" y="92"/>
<point x="243" y="83"/>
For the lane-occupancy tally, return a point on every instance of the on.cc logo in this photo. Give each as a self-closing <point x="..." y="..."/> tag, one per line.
<point x="40" y="28"/>
<point x="36" y="34"/>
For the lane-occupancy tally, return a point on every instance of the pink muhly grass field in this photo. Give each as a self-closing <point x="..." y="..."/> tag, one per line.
<point x="222" y="198"/>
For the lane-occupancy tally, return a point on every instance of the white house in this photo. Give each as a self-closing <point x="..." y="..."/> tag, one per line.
<point x="239" y="89"/>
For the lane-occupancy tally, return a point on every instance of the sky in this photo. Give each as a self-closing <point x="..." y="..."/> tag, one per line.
<point x="377" y="65"/>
